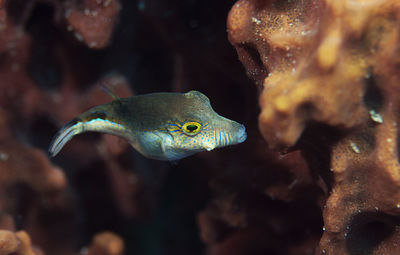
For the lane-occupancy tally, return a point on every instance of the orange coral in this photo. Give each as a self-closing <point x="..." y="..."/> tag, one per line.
<point x="33" y="193"/>
<point x="332" y="64"/>
<point x="94" y="21"/>
<point x="8" y="242"/>
<point x="18" y="243"/>
<point x="106" y="243"/>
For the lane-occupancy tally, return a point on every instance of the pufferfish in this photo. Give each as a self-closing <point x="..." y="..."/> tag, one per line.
<point x="163" y="126"/>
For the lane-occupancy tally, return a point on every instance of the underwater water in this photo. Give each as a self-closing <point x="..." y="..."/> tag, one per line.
<point x="305" y="160"/>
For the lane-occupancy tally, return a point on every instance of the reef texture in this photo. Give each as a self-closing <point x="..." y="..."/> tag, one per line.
<point x="17" y="243"/>
<point x="106" y="243"/>
<point x="322" y="177"/>
<point x="100" y="197"/>
<point x="329" y="73"/>
<point x="33" y="192"/>
<point x="92" y="20"/>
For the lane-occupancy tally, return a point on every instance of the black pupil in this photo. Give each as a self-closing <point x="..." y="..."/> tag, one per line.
<point x="191" y="128"/>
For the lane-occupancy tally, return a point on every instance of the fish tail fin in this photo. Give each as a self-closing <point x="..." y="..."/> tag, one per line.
<point x="100" y="119"/>
<point x="65" y="134"/>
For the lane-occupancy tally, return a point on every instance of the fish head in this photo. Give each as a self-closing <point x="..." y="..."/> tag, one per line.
<point x="199" y="128"/>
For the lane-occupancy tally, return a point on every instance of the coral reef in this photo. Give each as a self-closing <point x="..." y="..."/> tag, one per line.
<point x="329" y="73"/>
<point x="53" y="56"/>
<point x="106" y="243"/>
<point x="93" y="21"/>
<point x="17" y="243"/>
<point x="33" y="193"/>
<point x="322" y="177"/>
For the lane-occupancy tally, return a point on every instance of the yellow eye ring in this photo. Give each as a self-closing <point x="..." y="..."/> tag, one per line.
<point x="191" y="128"/>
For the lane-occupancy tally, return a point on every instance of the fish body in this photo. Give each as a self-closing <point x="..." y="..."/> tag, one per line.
<point x="163" y="126"/>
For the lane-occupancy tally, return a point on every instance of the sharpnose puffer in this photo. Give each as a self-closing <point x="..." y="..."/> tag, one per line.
<point x="163" y="126"/>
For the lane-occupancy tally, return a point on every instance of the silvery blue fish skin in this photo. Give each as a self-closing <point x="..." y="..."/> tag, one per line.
<point x="162" y="126"/>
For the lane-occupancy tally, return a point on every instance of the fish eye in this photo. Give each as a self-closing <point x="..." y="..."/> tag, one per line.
<point x="191" y="128"/>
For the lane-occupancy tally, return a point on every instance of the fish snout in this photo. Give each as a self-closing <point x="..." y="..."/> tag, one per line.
<point x="241" y="134"/>
<point x="229" y="133"/>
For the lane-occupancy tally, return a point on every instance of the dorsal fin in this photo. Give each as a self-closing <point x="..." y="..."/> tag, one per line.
<point x="109" y="92"/>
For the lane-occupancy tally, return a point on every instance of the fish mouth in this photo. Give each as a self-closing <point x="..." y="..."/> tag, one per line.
<point x="242" y="135"/>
